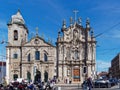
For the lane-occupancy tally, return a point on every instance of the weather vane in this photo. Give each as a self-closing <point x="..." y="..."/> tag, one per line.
<point x="75" y="12"/>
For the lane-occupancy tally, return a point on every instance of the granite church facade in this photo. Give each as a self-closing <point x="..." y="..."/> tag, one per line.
<point x="36" y="59"/>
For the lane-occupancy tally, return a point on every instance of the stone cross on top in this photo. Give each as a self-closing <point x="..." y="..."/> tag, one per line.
<point x="75" y="12"/>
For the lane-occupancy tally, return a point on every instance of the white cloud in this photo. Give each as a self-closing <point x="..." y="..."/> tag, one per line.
<point x="107" y="7"/>
<point x="3" y="30"/>
<point x="3" y="24"/>
<point x="102" y="65"/>
<point x="115" y="34"/>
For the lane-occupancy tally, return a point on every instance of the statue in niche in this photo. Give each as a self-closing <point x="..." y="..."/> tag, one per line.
<point x="75" y="37"/>
<point x="75" y="33"/>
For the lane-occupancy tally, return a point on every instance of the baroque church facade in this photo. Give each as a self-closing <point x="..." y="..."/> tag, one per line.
<point x="76" y="52"/>
<point x="37" y="59"/>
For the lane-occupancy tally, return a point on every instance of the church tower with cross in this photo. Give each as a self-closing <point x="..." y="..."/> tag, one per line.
<point x="17" y="30"/>
<point x="32" y="59"/>
<point x="76" y="51"/>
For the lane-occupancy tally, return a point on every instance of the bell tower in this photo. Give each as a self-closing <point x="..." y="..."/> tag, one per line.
<point x="17" y="36"/>
<point x="17" y="30"/>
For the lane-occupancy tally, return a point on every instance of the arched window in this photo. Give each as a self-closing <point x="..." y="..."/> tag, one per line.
<point x="76" y="54"/>
<point x="37" y="55"/>
<point x="29" y="57"/>
<point x="15" y="35"/>
<point x="37" y="76"/>
<point x="15" y="76"/>
<point x="75" y="34"/>
<point x="68" y="52"/>
<point x="15" y="56"/>
<point x="28" y="76"/>
<point x="45" y="57"/>
<point x="46" y="76"/>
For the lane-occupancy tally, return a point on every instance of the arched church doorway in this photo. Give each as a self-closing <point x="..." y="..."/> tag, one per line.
<point x="37" y="76"/>
<point x="76" y="74"/>
<point x="46" y="76"/>
<point x="15" y="76"/>
<point x="29" y="76"/>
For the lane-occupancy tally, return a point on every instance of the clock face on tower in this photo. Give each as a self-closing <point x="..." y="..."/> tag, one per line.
<point x="36" y="41"/>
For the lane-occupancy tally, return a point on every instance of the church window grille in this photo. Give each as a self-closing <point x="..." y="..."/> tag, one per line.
<point x="29" y="57"/>
<point x="15" y="56"/>
<point x="37" y="55"/>
<point x="15" y="35"/>
<point x="45" y="57"/>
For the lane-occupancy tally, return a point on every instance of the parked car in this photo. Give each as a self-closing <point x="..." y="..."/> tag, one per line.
<point x="113" y="81"/>
<point x="101" y="83"/>
<point x="118" y="80"/>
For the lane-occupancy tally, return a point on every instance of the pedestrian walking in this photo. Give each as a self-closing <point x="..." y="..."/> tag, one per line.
<point x="89" y="83"/>
<point x="85" y="85"/>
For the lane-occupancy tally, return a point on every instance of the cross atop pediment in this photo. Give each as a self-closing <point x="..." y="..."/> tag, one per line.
<point x="75" y="12"/>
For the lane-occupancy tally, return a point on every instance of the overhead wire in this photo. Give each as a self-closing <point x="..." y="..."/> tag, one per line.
<point x="105" y="31"/>
<point x="109" y="29"/>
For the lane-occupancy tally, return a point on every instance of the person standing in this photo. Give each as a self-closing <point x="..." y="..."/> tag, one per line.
<point x="85" y="84"/>
<point x="4" y="83"/>
<point x="89" y="82"/>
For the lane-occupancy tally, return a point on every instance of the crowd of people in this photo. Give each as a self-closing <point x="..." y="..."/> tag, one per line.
<point x="49" y="85"/>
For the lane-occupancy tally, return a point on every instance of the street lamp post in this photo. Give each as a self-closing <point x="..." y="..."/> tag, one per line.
<point x="21" y="59"/>
<point x="20" y="62"/>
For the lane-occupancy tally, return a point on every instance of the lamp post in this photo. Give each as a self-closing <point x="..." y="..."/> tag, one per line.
<point x="21" y="59"/>
<point x="20" y="62"/>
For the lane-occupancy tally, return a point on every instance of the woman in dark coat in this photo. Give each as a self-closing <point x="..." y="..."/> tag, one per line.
<point x="89" y="82"/>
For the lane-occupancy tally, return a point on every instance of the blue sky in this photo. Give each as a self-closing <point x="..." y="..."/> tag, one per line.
<point x="48" y="16"/>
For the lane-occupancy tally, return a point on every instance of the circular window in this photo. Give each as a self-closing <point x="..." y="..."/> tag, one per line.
<point x="36" y="41"/>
